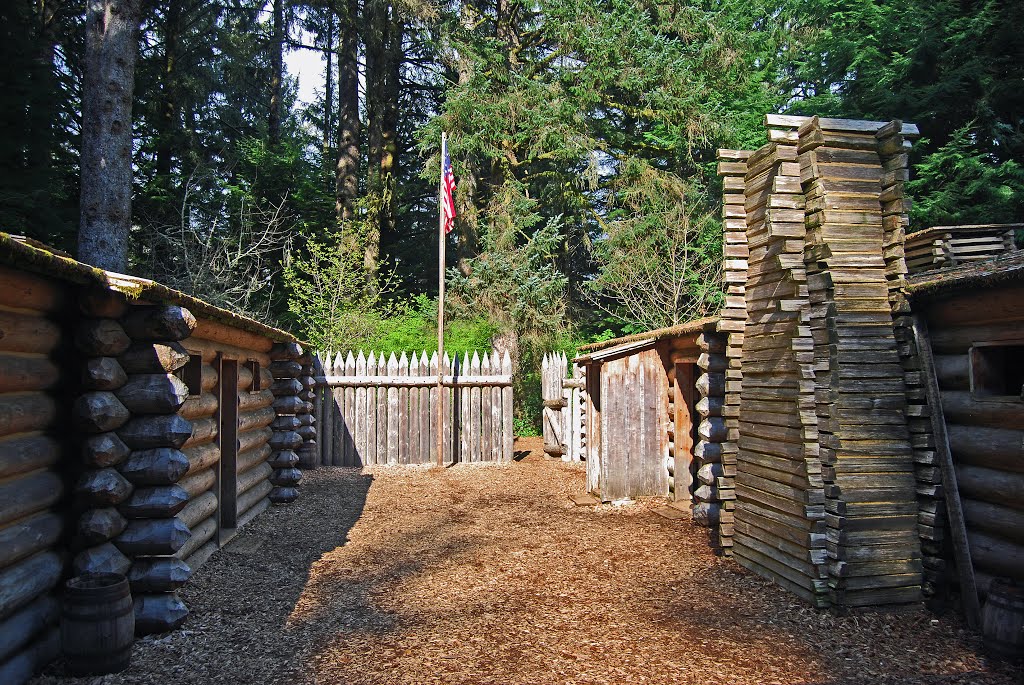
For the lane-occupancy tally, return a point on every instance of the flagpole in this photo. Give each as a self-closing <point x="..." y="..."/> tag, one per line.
<point x="440" y="308"/>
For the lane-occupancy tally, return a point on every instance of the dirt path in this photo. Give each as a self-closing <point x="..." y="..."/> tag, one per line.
<point x="488" y="574"/>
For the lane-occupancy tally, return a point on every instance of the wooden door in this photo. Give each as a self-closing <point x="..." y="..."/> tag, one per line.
<point x="683" y="425"/>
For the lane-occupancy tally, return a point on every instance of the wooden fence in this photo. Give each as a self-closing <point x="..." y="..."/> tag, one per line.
<point x="372" y="410"/>
<point x="564" y="397"/>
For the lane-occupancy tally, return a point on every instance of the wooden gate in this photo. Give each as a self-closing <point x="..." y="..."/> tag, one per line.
<point x="564" y="400"/>
<point x="377" y="410"/>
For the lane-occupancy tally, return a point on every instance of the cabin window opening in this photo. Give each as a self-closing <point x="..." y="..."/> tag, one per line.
<point x="192" y="375"/>
<point x="997" y="371"/>
<point x="253" y="367"/>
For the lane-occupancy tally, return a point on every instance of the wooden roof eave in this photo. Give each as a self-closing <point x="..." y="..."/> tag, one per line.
<point x="610" y="353"/>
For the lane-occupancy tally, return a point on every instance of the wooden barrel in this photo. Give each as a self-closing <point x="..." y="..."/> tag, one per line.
<point x="97" y="625"/>
<point x="1002" y="619"/>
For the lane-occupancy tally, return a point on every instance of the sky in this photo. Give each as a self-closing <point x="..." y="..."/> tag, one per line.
<point x="307" y="67"/>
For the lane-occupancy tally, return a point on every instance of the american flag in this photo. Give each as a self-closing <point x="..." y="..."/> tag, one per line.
<point x="447" y="190"/>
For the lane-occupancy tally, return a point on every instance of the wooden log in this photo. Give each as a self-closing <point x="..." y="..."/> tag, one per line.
<point x="24" y="453"/>
<point x="99" y="411"/>
<point x="710" y="473"/>
<point x="285" y="459"/>
<point x="256" y="438"/>
<point x="201" y="555"/>
<point x="287" y="423"/>
<point x="199" y="509"/>
<point x="101" y="338"/>
<point x="258" y="493"/>
<point x="253" y="476"/>
<point x="24" y="412"/>
<point x="146" y="537"/>
<point x="102" y="303"/>
<point x="991" y="412"/>
<point x="286" y="386"/>
<point x="199" y="406"/>
<point x="710" y="406"/>
<point x="23" y="373"/>
<point x="288" y="440"/>
<point x="254" y="420"/>
<point x="283" y="495"/>
<point x="289" y="405"/>
<point x="103" y="450"/>
<point x="102" y="488"/>
<point x="28" y="333"/>
<point x="286" y="369"/>
<point x="23" y="290"/>
<point x="146" y="432"/>
<point x="29" y="536"/>
<point x="158" y="613"/>
<point x="201" y="457"/>
<point x="251" y="401"/>
<point x="154" y="358"/>
<point x="227" y="334"/>
<point x="996" y="448"/>
<point x="713" y="429"/>
<point x="203" y="431"/>
<point x="97" y="526"/>
<point x="197" y="483"/>
<point x="33" y="492"/>
<point x="42" y="650"/>
<point x="24" y="625"/>
<point x="286" y="351"/>
<point x="161" y="574"/>
<point x="160" y="466"/>
<point x="712" y="384"/>
<point x="991" y="485"/>
<point x="153" y="393"/>
<point x="201" y="534"/>
<point x="252" y="457"/>
<point x="996" y="555"/>
<point x="162" y="501"/>
<point x="307" y="432"/>
<point x="103" y="373"/>
<point x="712" y="363"/>
<point x="1004" y="522"/>
<point x="158" y="323"/>
<point x="286" y="477"/>
<point x="103" y="558"/>
<point x="953" y="371"/>
<point x="707" y="514"/>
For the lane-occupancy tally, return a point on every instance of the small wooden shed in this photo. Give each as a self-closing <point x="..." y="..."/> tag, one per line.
<point x="650" y="405"/>
<point x="139" y="429"/>
<point x="973" y="324"/>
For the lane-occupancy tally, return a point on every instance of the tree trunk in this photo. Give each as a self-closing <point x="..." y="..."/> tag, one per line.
<point x="347" y="170"/>
<point x="389" y="133"/>
<point x="328" y="97"/>
<point x="111" y="49"/>
<point x="276" y="76"/>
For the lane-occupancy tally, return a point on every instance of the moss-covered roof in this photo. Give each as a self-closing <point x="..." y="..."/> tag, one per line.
<point x="671" y="332"/>
<point x="1005" y="269"/>
<point x="32" y="256"/>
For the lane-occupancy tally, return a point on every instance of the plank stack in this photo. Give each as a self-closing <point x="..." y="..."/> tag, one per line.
<point x="732" y="166"/>
<point x="825" y="483"/>
<point x="947" y="246"/>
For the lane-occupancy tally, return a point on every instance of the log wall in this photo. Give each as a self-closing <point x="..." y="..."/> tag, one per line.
<point x="986" y="433"/>
<point x="32" y="482"/>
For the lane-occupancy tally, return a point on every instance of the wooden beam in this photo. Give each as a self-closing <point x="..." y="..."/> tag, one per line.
<point x="954" y="510"/>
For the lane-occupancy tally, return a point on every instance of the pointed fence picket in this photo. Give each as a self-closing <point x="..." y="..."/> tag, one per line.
<point x="564" y="397"/>
<point x="377" y="409"/>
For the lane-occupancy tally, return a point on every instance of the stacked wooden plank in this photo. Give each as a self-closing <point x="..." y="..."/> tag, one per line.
<point x="732" y="167"/>
<point x="865" y="452"/>
<point x="947" y="246"/>
<point x="779" y="529"/>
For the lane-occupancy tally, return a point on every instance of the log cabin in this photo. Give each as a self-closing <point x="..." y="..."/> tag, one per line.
<point x="140" y="428"/>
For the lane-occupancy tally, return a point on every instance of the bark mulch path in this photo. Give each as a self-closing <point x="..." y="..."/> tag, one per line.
<point x="489" y="574"/>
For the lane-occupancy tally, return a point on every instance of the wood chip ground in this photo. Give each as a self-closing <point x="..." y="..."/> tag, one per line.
<point x="490" y="574"/>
